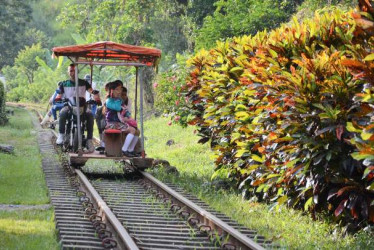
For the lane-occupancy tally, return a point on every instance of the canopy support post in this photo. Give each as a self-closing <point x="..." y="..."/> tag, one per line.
<point x="80" y="151"/>
<point x="136" y="91"/>
<point x="91" y="67"/>
<point x="141" y="116"/>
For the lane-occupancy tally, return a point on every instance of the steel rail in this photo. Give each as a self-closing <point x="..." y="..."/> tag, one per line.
<point x="120" y="234"/>
<point x="235" y="237"/>
<point x="123" y="238"/>
<point x="150" y="221"/>
<point x="74" y="228"/>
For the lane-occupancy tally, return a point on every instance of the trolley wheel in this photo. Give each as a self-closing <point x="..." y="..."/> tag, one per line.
<point x="77" y="163"/>
<point x="142" y="163"/>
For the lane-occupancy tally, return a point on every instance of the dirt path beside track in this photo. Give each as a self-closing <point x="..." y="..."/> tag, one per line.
<point x="10" y="207"/>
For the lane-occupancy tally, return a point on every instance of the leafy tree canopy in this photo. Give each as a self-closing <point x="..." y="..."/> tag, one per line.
<point x="240" y="17"/>
<point x="26" y="62"/>
<point x="14" y="16"/>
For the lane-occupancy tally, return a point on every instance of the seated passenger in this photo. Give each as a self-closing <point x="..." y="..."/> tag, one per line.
<point x="101" y="122"/>
<point x="57" y="105"/>
<point x="115" y="120"/>
<point x="125" y="115"/>
<point x="92" y="107"/>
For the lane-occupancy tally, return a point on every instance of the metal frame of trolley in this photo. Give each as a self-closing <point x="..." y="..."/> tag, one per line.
<point x="109" y="54"/>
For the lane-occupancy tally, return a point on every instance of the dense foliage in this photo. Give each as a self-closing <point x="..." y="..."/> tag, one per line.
<point x="14" y="15"/>
<point x="289" y="113"/>
<point x="242" y="17"/>
<point x="31" y="78"/>
<point x="176" y="27"/>
<point x="167" y="87"/>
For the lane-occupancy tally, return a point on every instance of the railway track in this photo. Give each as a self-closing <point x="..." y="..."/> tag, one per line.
<point x="134" y="213"/>
<point x="158" y="217"/>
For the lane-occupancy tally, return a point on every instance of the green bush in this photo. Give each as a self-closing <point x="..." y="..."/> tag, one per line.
<point x="3" y="118"/>
<point x="167" y="88"/>
<point x="238" y="17"/>
<point x="289" y="113"/>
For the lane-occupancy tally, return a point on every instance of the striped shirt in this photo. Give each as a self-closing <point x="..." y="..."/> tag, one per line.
<point x="68" y="88"/>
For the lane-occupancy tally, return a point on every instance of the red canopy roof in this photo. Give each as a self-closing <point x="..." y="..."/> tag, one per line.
<point x="111" y="51"/>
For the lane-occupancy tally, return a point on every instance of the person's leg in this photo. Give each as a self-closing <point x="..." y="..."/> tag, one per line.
<point x="101" y="136"/>
<point x="64" y="114"/>
<point x="93" y="109"/>
<point x="130" y="135"/>
<point x="54" y="112"/>
<point x="58" y="108"/>
<point x="100" y="123"/>
<point x="90" y="124"/>
<point x="134" y="141"/>
<point x="46" y="118"/>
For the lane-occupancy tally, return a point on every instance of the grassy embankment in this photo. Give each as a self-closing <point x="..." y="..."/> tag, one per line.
<point x="288" y="227"/>
<point x="22" y="183"/>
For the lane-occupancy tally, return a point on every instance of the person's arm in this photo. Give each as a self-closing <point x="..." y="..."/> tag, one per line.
<point x="88" y="88"/>
<point x="93" y="92"/>
<point x="113" y="104"/>
<point x="53" y="97"/>
<point x="61" y="87"/>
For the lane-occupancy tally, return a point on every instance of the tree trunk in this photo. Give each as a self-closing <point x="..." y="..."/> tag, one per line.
<point x="146" y="75"/>
<point x="3" y="117"/>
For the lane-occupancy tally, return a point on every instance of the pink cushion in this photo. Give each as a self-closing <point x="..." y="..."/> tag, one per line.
<point x="112" y="131"/>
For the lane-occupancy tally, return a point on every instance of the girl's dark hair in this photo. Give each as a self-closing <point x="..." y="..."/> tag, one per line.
<point x="106" y="86"/>
<point x="119" y="82"/>
<point x="110" y="86"/>
<point x="125" y="101"/>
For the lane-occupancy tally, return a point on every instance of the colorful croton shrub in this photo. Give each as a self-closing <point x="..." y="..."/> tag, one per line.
<point x="289" y="113"/>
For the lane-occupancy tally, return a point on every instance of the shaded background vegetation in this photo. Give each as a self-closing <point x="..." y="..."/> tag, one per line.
<point x="3" y="118"/>
<point x="29" y="29"/>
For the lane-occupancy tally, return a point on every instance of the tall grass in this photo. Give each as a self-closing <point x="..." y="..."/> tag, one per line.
<point x="22" y="182"/>
<point x="21" y="176"/>
<point x="27" y="230"/>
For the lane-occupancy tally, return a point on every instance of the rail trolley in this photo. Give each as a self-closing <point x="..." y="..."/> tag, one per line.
<point x="110" y="54"/>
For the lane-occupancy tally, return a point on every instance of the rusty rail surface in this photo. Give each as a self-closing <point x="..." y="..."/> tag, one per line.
<point x="202" y="218"/>
<point x="121" y="235"/>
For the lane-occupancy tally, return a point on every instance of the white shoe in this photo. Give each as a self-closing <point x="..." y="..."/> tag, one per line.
<point x="45" y="119"/>
<point x="60" y="139"/>
<point x="90" y="147"/>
